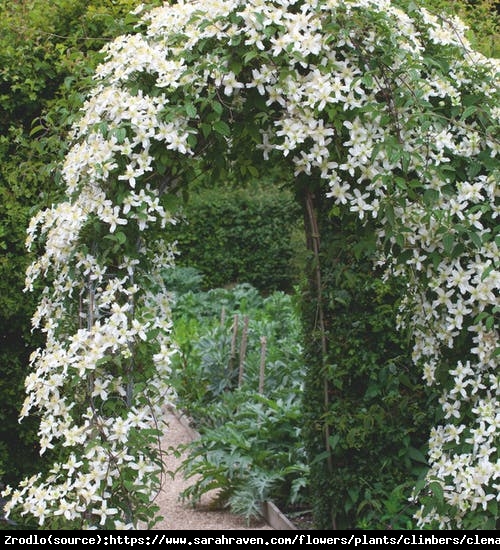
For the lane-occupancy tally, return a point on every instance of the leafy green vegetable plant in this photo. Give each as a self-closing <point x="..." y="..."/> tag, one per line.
<point x="250" y="447"/>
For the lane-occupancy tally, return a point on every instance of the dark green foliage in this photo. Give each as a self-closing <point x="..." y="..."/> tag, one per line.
<point x="245" y="235"/>
<point x="367" y="414"/>
<point x="378" y="416"/>
<point x="18" y="450"/>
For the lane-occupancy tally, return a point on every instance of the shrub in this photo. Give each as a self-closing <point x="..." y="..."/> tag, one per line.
<point x="250" y="448"/>
<point x="368" y="415"/>
<point x="244" y="235"/>
<point x="47" y="50"/>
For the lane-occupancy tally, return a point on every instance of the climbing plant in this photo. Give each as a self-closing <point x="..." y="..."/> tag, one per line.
<point x="378" y="108"/>
<point x="47" y="53"/>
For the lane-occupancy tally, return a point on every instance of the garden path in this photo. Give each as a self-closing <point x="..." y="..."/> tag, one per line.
<point x="180" y="515"/>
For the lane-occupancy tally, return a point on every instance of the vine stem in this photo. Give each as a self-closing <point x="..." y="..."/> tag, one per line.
<point x="314" y="242"/>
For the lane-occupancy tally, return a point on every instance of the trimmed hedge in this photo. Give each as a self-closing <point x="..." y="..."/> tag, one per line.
<point x="367" y="413"/>
<point x="244" y="235"/>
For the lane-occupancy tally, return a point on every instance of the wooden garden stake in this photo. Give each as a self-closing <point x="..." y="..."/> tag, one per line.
<point x="263" y="342"/>
<point x="233" y="342"/>
<point x="243" y="350"/>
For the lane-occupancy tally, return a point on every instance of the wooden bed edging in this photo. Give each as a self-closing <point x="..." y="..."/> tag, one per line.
<point x="275" y="518"/>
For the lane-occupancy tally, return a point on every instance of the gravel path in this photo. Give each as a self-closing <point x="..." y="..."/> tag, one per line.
<point x="180" y="515"/>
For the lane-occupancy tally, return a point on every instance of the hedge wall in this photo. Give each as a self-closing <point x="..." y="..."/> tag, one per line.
<point x="244" y="235"/>
<point x="367" y="415"/>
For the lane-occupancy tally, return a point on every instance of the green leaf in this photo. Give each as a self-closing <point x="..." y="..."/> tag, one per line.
<point x="468" y="111"/>
<point x="36" y="129"/>
<point x="389" y="213"/>
<point x="437" y="490"/>
<point x="448" y="243"/>
<point x="333" y="441"/>
<point x="121" y="238"/>
<point x="253" y="171"/>
<point x="206" y="129"/>
<point x="476" y="239"/>
<point x="192" y="141"/>
<point x="431" y="196"/>
<point x="217" y="107"/>
<point x="400" y="240"/>
<point x="353" y="493"/>
<point x="221" y="128"/>
<point x="401" y="184"/>
<point x="474" y="169"/>
<point x="367" y="80"/>
<point x="120" y="134"/>
<point x="416" y="455"/>
<point x="191" y="110"/>
<point x="372" y="391"/>
<point x="490" y="322"/>
<point x="252" y="54"/>
<point x="487" y="272"/>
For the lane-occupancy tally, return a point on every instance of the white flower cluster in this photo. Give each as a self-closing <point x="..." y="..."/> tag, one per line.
<point x="94" y="397"/>
<point x="352" y="99"/>
<point x="102" y="378"/>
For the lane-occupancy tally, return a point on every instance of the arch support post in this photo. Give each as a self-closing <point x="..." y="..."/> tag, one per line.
<point x="315" y="321"/>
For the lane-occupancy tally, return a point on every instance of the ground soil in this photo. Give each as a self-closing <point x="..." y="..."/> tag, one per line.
<point x="180" y="515"/>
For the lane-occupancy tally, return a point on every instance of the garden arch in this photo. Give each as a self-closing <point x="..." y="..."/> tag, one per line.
<point x="387" y="113"/>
